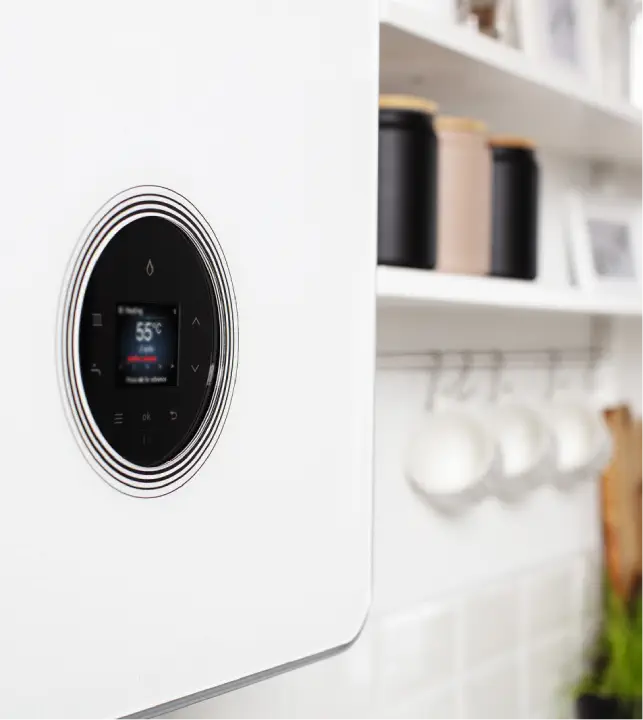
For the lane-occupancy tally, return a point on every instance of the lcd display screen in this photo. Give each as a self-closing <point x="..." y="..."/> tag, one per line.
<point x="147" y="338"/>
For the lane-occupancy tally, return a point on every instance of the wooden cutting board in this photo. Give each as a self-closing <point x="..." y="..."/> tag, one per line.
<point x="621" y="501"/>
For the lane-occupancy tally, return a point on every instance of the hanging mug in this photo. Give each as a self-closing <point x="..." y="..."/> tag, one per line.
<point x="583" y="442"/>
<point x="521" y="431"/>
<point x="451" y="454"/>
<point x="582" y="438"/>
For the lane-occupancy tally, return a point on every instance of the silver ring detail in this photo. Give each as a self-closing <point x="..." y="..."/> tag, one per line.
<point x="122" y="209"/>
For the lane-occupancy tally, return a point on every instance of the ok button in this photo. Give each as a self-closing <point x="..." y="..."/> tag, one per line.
<point x="146" y="417"/>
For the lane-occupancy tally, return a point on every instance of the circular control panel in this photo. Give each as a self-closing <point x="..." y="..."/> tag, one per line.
<point x="148" y="352"/>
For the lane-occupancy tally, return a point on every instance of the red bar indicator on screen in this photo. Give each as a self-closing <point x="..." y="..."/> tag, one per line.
<point x="141" y="359"/>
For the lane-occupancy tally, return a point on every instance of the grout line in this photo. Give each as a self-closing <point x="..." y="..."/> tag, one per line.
<point x="459" y="654"/>
<point x="524" y="644"/>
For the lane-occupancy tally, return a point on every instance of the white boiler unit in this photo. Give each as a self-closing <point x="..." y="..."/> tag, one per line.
<point x="187" y="309"/>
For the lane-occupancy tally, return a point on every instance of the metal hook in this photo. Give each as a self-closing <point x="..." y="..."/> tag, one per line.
<point x="592" y="354"/>
<point x="554" y="362"/>
<point x="499" y="366"/>
<point x="458" y="388"/>
<point x="589" y="370"/>
<point x="467" y="362"/>
<point x="434" y="379"/>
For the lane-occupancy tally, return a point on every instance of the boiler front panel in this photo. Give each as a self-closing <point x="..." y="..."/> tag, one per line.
<point x="187" y="304"/>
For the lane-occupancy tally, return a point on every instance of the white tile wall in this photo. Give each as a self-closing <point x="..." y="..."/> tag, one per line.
<point x="494" y="689"/>
<point x="438" y="702"/>
<point x="554" y="667"/>
<point x="508" y="649"/>
<point x="413" y="647"/>
<point x="552" y="603"/>
<point x="493" y="624"/>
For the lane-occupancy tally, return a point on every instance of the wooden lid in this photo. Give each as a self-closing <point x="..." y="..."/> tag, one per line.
<point x="408" y="102"/>
<point x="512" y="141"/>
<point x="451" y="123"/>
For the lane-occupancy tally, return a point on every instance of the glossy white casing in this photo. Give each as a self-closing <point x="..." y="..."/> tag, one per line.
<point x="264" y="115"/>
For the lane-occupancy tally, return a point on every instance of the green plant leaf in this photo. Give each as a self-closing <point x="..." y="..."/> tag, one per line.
<point x="617" y="655"/>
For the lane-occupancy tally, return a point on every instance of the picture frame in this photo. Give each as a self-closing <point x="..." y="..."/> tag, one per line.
<point x="496" y="19"/>
<point x="634" y="80"/>
<point x="563" y="32"/>
<point x="604" y="243"/>
<point x="619" y="27"/>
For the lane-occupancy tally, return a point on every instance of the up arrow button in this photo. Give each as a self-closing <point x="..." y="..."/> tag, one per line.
<point x="195" y="321"/>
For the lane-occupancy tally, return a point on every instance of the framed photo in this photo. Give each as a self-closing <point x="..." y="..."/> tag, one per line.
<point x="565" y="32"/>
<point x="605" y="243"/>
<point x="496" y="19"/>
<point x="634" y="80"/>
<point x="620" y="31"/>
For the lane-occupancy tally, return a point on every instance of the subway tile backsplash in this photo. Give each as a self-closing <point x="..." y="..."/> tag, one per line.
<point x="415" y="646"/>
<point x="507" y="649"/>
<point x="554" y="667"/>
<point x="551" y="600"/>
<point x="436" y="702"/>
<point x="494" y="689"/>
<point x="492" y="623"/>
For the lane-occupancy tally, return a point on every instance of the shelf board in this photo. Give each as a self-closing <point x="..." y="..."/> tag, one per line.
<point x="400" y="287"/>
<point x="466" y="73"/>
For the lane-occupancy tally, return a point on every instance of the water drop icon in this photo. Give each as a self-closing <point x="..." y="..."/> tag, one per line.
<point x="149" y="268"/>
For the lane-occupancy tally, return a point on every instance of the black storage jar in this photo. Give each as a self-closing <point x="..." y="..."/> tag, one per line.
<point x="407" y="182"/>
<point x="514" y="241"/>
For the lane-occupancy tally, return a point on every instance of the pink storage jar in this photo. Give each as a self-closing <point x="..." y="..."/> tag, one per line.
<point x="464" y="197"/>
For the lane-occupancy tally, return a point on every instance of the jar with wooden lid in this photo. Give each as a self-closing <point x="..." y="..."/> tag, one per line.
<point x="464" y="196"/>
<point x="514" y="236"/>
<point x="407" y="182"/>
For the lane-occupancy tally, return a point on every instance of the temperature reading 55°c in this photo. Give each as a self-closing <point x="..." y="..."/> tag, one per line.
<point x="145" y="330"/>
<point x="146" y="344"/>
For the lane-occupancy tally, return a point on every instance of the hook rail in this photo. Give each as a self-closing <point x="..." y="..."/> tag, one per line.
<point x="489" y="359"/>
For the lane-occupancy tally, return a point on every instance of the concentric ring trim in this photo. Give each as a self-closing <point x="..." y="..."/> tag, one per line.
<point x="122" y="209"/>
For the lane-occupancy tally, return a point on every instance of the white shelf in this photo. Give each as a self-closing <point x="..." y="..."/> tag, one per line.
<point x="399" y="287"/>
<point x="463" y="70"/>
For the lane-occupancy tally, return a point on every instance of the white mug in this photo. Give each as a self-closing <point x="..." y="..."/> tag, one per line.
<point x="523" y="436"/>
<point x="450" y="457"/>
<point x="526" y="447"/>
<point x="582" y="438"/>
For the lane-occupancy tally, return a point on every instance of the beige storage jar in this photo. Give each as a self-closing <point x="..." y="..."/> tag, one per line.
<point x="464" y="197"/>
